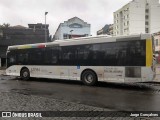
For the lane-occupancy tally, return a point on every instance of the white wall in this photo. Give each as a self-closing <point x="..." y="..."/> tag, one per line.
<point x="65" y="29"/>
<point x="152" y="2"/>
<point x="154" y="18"/>
<point x="77" y="31"/>
<point x="58" y="34"/>
<point x="137" y="17"/>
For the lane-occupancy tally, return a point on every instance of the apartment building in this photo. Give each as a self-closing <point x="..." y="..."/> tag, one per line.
<point x="138" y="16"/>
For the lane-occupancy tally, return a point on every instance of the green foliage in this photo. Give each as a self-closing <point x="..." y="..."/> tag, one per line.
<point x="5" y="25"/>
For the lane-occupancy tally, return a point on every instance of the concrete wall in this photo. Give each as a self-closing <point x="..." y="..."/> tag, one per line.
<point x="137" y="13"/>
<point x="58" y="35"/>
<point x="154" y="17"/>
<point x="137" y="17"/>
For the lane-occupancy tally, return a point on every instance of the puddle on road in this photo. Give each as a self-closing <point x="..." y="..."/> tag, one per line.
<point x="29" y="92"/>
<point x="126" y="86"/>
<point x="142" y="87"/>
<point x="5" y="77"/>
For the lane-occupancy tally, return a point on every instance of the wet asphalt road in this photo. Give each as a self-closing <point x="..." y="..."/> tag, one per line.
<point x="107" y="95"/>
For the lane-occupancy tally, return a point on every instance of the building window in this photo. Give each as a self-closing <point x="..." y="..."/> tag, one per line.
<point x="125" y="11"/>
<point x="127" y="22"/>
<point x="117" y="27"/>
<point x="127" y="16"/>
<point x="147" y="10"/>
<point x="146" y="23"/>
<point x="124" y="24"/>
<point x="117" y="21"/>
<point x="117" y="15"/>
<point x="65" y="36"/>
<point x="147" y="30"/>
<point x="146" y="16"/>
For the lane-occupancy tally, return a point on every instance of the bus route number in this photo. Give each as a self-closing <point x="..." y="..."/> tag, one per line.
<point x="35" y="69"/>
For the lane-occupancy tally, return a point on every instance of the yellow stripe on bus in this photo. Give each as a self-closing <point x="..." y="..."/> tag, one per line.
<point x="24" y="47"/>
<point x="149" y="53"/>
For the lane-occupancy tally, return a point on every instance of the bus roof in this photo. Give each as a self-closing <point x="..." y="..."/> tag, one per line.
<point x="83" y="40"/>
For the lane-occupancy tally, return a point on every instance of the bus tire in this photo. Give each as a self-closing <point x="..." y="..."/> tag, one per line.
<point x="25" y="74"/>
<point x="89" y="78"/>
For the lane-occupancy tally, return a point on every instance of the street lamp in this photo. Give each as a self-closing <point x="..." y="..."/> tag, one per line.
<point x="45" y="27"/>
<point x="71" y="32"/>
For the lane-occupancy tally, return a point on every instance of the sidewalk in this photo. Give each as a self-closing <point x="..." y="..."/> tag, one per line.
<point x="21" y="102"/>
<point x="18" y="102"/>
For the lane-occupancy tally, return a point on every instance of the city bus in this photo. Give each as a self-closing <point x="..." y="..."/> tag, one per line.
<point x="89" y="59"/>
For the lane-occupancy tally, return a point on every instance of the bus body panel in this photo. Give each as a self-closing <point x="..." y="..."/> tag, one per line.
<point x="104" y="73"/>
<point x="114" y="74"/>
<point x="104" y="51"/>
<point x="147" y="74"/>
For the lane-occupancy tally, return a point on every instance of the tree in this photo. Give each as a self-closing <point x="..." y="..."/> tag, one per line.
<point x="5" y="25"/>
<point x="2" y="27"/>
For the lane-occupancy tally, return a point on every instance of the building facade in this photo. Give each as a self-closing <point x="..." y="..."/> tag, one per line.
<point x="73" y="28"/>
<point x="138" y="16"/>
<point x="18" y="35"/>
<point x="106" y="30"/>
<point x="157" y="41"/>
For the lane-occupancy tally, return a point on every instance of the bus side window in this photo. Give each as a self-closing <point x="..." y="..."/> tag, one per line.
<point x="122" y="58"/>
<point x="69" y="55"/>
<point x="47" y="56"/>
<point x="36" y="56"/>
<point x="97" y="54"/>
<point x="109" y="54"/>
<point x="22" y="58"/>
<point x="11" y="58"/>
<point x="137" y="53"/>
<point x="55" y="55"/>
<point x="84" y="54"/>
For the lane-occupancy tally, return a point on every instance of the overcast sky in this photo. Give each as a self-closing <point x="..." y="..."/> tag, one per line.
<point x="24" y="12"/>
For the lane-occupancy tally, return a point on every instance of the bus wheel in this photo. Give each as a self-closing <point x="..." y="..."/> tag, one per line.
<point x="89" y="78"/>
<point x="25" y="75"/>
